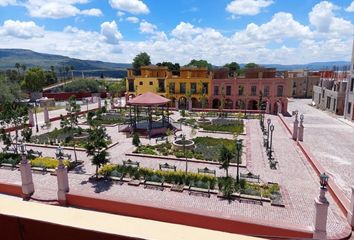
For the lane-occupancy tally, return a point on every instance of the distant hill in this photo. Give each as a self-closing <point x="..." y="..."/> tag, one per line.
<point x="9" y="57"/>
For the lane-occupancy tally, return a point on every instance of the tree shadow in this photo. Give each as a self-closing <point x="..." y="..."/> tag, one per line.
<point x="101" y="185"/>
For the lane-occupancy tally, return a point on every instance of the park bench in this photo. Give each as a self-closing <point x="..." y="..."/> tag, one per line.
<point x="160" y="139"/>
<point x="65" y="155"/>
<point x="154" y="181"/>
<point x="199" y="187"/>
<point x="45" y="126"/>
<point x="8" y="165"/>
<point x="116" y="176"/>
<point x="207" y="171"/>
<point x="34" y="153"/>
<point x="167" y="166"/>
<point x="41" y="170"/>
<point x="273" y="163"/>
<point x="250" y="176"/>
<point x="130" y="163"/>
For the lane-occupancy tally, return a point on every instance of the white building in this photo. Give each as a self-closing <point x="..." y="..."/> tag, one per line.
<point x="349" y="100"/>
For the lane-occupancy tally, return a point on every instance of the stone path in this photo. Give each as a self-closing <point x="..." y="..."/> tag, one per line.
<point x="297" y="179"/>
<point x="330" y="140"/>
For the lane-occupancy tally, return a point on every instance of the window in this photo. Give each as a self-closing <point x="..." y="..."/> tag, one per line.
<point x="228" y="90"/>
<point x="328" y="103"/>
<point x="216" y="90"/>
<point x="240" y="90"/>
<point x="352" y="85"/>
<point x="182" y="88"/>
<point x="161" y="85"/>
<point x="349" y="107"/>
<point x="141" y="83"/>
<point x="205" y="88"/>
<point x="266" y="91"/>
<point x="334" y="104"/>
<point x="172" y="88"/>
<point x="131" y="86"/>
<point x="280" y="89"/>
<point x="253" y="90"/>
<point x="151" y="83"/>
<point x="193" y="88"/>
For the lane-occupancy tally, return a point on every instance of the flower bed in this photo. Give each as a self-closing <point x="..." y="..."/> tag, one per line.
<point x="172" y="177"/>
<point x="207" y="148"/>
<point x="63" y="136"/>
<point x="48" y="162"/>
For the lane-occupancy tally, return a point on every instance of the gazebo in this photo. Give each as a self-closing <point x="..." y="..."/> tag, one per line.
<point x="141" y="109"/>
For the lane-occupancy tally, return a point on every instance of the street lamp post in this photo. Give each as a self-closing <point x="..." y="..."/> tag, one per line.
<point x="35" y="115"/>
<point x="268" y="122"/>
<point x="271" y="141"/>
<point x="184" y="150"/>
<point x="238" y="148"/>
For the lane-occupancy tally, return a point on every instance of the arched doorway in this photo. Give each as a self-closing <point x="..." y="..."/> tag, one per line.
<point x="252" y="105"/>
<point x="240" y="104"/>
<point x="229" y="104"/>
<point x="182" y="103"/>
<point x="216" y="103"/>
<point x="195" y="103"/>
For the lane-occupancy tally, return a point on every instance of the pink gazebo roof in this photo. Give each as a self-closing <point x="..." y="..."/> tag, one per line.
<point x="148" y="99"/>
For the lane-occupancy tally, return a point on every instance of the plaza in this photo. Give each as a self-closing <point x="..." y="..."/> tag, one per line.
<point x="299" y="183"/>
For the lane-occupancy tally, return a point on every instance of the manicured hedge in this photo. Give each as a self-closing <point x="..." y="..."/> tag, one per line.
<point x="48" y="162"/>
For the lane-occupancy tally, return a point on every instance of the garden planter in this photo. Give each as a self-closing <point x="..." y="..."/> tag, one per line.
<point x="181" y="144"/>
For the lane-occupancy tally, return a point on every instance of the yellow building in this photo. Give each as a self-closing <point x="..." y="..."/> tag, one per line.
<point x="186" y="88"/>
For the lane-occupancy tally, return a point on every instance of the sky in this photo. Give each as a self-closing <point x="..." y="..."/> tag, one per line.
<point x="219" y="31"/>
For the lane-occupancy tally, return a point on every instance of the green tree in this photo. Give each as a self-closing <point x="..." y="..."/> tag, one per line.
<point x="251" y="65"/>
<point x="170" y="65"/>
<point x="34" y="80"/>
<point x="73" y="110"/>
<point x="225" y="158"/>
<point x="227" y="187"/>
<point x="142" y="59"/>
<point x="26" y="134"/>
<point x="10" y="90"/>
<point x="96" y="146"/>
<point x="200" y="63"/>
<point x="136" y="140"/>
<point x="233" y="66"/>
<point x="18" y="66"/>
<point x="14" y="115"/>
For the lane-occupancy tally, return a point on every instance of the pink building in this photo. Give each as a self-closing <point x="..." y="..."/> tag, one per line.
<point x="244" y="92"/>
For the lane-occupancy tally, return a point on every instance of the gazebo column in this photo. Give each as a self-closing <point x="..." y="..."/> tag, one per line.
<point x="149" y="121"/>
<point x="163" y="116"/>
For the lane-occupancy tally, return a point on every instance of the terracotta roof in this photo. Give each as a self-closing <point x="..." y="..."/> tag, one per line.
<point x="148" y="99"/>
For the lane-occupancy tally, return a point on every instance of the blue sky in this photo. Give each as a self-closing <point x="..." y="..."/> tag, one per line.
<point x="220" y="31"/>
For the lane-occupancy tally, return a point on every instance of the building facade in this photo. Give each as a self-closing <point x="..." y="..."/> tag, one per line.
<point x="193" y="87"/>
<point x="245" y="92"/>
<point x="330" y="93"/>
<point x="301" y="83"/>
<point x="349" y="101"/>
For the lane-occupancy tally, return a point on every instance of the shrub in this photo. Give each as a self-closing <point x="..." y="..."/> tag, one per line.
<point x="10" y="158"/>
<point x="48" y="162"/>
<point x="227" y="186"/>
<point x="136" y="140"/>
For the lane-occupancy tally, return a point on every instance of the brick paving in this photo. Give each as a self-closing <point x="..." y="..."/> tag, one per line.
<point x="330" y="140"/>
<point x="298" y="181"/>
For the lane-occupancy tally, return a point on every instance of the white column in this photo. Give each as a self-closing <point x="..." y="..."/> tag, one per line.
<point x="30" y="117"/>
<point x="321" y="205"/>
<point x="46" y="114"/>
<point x="301" y="129"/>
<point x="279" y="108"/>
<point x="295" y="127"/>
<point x="268" y="108"/>
<point x="190" y="105"/>
<point x="26" y="177"/>
<point x="351" y="210"/>
<point x="63" y="182"/>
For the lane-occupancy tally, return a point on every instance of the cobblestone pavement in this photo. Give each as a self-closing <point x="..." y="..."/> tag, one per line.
<point x="330" y="140"/>
<point x="299" y="184"/>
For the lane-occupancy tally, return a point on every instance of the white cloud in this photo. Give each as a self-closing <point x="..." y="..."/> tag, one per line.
<point x="323" y="18"/>
<point x="132" y="19"/>
<point x="282" y="26"/>
<point x="120" y="14"/>
<point x="131" y="6"/>
<point x="185" y="31"/>
<point x="350" y="8"/>
<point x="20" y="29"/>
<point x="92" y="12"/>
<point x="146" y="27"/>
<point x="110" y="32"/>
<point x="4" y="3"/>
<point x="247" y="7"/>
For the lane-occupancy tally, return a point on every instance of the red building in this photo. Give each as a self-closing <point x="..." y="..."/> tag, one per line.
<point x="240" y="92"/>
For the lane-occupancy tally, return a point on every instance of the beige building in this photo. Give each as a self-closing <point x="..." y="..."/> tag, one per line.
<point x="301" y="83"/>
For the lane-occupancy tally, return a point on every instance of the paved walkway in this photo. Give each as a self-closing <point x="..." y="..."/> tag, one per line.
<point x="330" y="140"/>
<point x="298" y="182"/>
